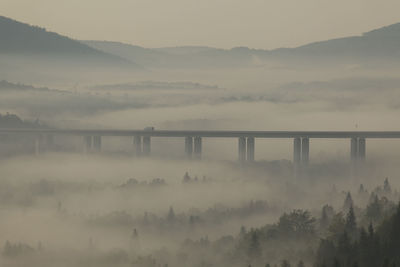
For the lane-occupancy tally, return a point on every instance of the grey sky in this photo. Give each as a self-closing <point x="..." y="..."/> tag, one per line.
<point x="220" y="23"/>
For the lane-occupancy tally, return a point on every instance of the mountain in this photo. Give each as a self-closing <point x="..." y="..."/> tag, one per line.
<point x="23" y="40"/>
<point x="377" y="46"/>
<point x="381" y="45"/>
<point x="30" y="46"/>
<point x="142" y="56"/>
<point x="179" y="57"/>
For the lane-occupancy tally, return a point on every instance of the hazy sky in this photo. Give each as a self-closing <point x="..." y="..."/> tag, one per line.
<point x="220" y="23"/>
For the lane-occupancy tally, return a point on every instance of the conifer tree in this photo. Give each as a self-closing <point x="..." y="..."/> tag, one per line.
<point x="254" y="247"/>
<point x="351" y="224"/>
<point x="171" y="215"/>
<point x="348" y="202"/>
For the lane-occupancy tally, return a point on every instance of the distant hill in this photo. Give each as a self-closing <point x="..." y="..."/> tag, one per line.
<point x="20" y="39"/>
<point x="13" y="121"/>
<point x="140" y="55"/>
<point x="155" y="85"/>
<point x="178" y="57"/>
<point x="30" y="46"/>
<point x="18" y="87"/>
<point x="381" y="44"/>
<point x="377" y="46"/>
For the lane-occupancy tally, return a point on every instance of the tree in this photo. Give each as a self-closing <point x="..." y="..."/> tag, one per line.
<point x="326" y="215"/>
<point x="361" y="190"/>
<point x="134" y="234"/>
<point x="242" y="231"/>
<point x="298" y="223"/>
<point x="336" y="263"/>
<point x="344" y="248"/>
<point x="326" y="252"/>
<point x="372" y="248"/>
<point x="348" y="202"/>
<point x="351" y="224"/>
<point x="368" y="248"/>
<point x="171" y="215"/>
<point x="374" y="209"/>
<point x="300" y="264"/>
<point x="386" y="186"/>
<point x="285" y="263"/>
<point x="337" y="227"/>
<point x="254" y="246"/>
<point x="364" y="247"/>
<point x="186" y="178"/>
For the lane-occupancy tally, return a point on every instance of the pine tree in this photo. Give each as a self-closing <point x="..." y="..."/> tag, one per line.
<point x="386" y="186"/>
<point x="371" y="230"/>
<point x="186" y="178"/>
<point x="171" y="215"/>
<point x="336" y="263"/>
<point x="134" y="234"/>
<point x="385" y="263"/>
<point x="326" y="252"/>
<point x="374" y="209"/>
<point x="348" y="202"/>
<point x="242" y="231"/>
<point x="361" y="190"/>
<point x="254" y="247"/>
<point x="326" y="214"/>
<point x="285" y="263"/>
<point x="351" y="224"/>
<point x="344" y="248"/>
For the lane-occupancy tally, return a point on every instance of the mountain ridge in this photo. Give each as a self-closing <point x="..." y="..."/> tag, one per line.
<point x="377" y="45"/>
<point x="380" y="45"/>
<point x="22" y="39"/>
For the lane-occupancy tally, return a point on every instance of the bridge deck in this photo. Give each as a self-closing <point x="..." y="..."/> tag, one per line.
<point x="224" y="134"/>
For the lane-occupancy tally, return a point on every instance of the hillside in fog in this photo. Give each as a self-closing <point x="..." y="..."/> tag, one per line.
<point x="31" y="42"/>
<point x="199" y="133"/>
<point x="381" y="45"/>
<point x="22" y="41"/>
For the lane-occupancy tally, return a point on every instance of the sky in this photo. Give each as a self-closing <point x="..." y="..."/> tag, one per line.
<point x="263" y="24"/>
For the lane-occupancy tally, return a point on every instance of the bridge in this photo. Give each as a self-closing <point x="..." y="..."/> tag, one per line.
<point x="193" y="140"/>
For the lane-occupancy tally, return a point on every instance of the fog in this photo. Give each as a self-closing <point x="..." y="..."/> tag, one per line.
<point x="63" y="203"/>
<point x="81" y="205"/>
<point x="223" y="23"/>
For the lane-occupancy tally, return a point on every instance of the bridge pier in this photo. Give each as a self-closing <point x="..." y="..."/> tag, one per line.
<point x="97" y="143"/>
<point x="301" y="154"/>
<point x="242" y="149"/>
<point x="305" y="151"/>
<point x="197" y="147"/>
<point x="137" y="145"/>
<point x="354" y="149"/>
<point x="361" y="149"/>
<point x="250" y="148"/>
<point x="357" y="150"/>
<point x="189" y="147"/>
<point x="296" y="151"/>
<point x="146" y="145"/>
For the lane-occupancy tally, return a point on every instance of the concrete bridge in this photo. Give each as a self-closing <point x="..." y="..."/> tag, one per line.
<point x="194" y="139"/>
